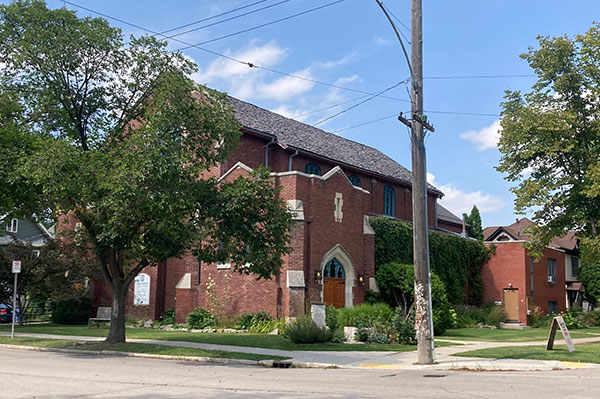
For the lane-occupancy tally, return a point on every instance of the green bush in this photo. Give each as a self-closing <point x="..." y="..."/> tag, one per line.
<point x="489" y="314"/>
<point x="402" y="330"/>
<point x="168" y="317"/>
<point x="304" y="331"/>
<point x="372" y="335"/>
<point x="332" y="315"/>
<point x="372" y="297"/>
<point x="73" y="311"/>
<point x="265" y="326"/>
<point x="200" y="319"/>
<point x="457" y="261"/>
<point x="365" y="315"/>
<point x="249" y="319"/>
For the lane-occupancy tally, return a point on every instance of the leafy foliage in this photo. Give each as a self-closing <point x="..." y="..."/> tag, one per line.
<point x="365" y="315"/>
<point x="304" y="331"/>
<point x="123" y="140"/>
<point x="455" y="260"/>
<point x="474" y="221"/>
<point x="550" y="138"/>
<point x="168" y="317"/>
<point x="200" y="319"/>
<point x="249" y="319"/>
<point x="73" y="311"/>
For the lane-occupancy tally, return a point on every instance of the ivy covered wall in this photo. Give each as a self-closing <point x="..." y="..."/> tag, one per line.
<point x="456" y="260"/>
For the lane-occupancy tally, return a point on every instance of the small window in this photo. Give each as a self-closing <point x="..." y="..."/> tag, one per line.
<point x="354" y="180"/>
<point x="575" y="267"/>
<point x="552" y="270"/>
<point x="13" y="226"/>
<point x="312" y="169"/>
<point x="551" y="307"/>
<point x="389" y="201"/>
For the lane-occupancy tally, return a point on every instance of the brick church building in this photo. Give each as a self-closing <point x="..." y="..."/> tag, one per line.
<point x="331" y="185"/>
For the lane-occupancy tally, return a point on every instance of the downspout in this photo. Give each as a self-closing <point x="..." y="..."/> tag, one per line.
<point x="267" y="151"/>
<point x="290" y="160"/>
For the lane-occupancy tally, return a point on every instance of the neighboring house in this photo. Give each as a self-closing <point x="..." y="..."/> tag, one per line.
<point x="331" y="186"/>
<point x="514" y="279"/>
<point x="25" y="231"/>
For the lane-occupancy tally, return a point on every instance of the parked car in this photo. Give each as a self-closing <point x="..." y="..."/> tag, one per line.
<point x="5" y="313"/>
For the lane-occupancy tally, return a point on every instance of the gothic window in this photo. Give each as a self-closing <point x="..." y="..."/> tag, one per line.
<point x="354" y="180"/>
<point x="334" y="269"/>
<point x="312" y="169"/>
<point x="389" y="201"/>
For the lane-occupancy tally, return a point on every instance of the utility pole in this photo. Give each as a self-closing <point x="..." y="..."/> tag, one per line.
<point x="423" y="311"/>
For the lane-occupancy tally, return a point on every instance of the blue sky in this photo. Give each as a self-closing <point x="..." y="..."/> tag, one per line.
<point x="351" y="44"/>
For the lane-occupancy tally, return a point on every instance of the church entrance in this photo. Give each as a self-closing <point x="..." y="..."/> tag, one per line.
<point x="334" y="284"/>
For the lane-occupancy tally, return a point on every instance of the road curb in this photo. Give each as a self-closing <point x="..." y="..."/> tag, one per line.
<point x="196" y="359"/>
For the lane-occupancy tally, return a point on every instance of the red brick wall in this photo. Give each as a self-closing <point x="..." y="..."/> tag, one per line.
<point x="450" y="226"/>
<point x="510" y="264"/>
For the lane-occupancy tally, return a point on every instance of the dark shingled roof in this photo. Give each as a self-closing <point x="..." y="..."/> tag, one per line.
<point x="447" y="216"/>
<point x="517" y="231"/>
<point x="303" y="137"/>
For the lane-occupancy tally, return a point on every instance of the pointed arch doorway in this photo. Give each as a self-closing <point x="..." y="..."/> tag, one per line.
<point x="334" y="284"/>
<point x="337" y="269"/>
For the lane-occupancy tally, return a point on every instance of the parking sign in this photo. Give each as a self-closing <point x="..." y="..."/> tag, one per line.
<point x="16" y="266"/>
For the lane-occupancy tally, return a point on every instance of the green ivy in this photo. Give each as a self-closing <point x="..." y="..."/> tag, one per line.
<point x="457" y="261"/>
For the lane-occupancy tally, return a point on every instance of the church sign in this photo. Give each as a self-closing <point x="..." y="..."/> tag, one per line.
<point x="141" y="291"/>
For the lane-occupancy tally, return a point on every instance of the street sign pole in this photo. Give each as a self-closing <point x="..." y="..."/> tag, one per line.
<point x="16" y="269"/>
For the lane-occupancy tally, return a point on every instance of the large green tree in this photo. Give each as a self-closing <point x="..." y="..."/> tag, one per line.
<point x="124" y="140"/>
<point x="473" y="219"/>
<point x="550" y="139"/>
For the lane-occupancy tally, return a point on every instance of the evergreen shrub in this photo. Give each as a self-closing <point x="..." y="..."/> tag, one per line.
<point x="73" y="311"/>
<point x="200" y="319"/>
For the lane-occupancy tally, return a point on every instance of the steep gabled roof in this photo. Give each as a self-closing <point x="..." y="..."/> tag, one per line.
<point x="445" y="215"/>
<point x="516" y="232"/>
<point x="300" y="136"/>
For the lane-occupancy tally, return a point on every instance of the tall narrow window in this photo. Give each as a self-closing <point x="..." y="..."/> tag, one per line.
<point x="13" y="226"/>
<point x="575" y="267"/>
<point x="312" y="169"/>
<point x="552" y="270"/>
<point x="389" y="201"/>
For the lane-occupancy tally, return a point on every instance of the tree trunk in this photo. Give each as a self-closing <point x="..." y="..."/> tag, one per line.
<point x="116" y="333"/>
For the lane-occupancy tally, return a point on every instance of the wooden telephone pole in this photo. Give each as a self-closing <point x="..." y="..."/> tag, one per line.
<point x="423" y="311"/>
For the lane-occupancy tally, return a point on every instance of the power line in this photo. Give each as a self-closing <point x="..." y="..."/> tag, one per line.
<point x="263" y="25"/>
<point x="400" y="22"/>
<point x="249" y="64"/>
<point x="226" y="19"/>
<point x="478" y="77"/>
<point x="366" y="123"/>
<point x="329" y="107"/>
<point x="212" y="17"/>
<point x="362" y="102"/>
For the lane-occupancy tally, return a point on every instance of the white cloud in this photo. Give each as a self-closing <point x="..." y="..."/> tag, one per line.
<point x="266" y="55"/>
<point x="459" y="201"/>
<point x="286" y="87"/>
<point x="485" y="138"/>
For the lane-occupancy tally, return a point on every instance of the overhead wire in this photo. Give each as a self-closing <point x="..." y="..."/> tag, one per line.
<point x="263" y="25"/>
<point x="360" y="103"/>
<point x="400" y="22"/>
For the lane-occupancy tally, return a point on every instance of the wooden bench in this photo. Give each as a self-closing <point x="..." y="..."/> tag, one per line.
<point x="102" y="316"/>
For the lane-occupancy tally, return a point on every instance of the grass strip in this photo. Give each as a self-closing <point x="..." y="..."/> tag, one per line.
<point x="151" y="349"/>
<point x="586" y="353"/>
<point x="267" y="341"/>
<point x="506" y="335"/>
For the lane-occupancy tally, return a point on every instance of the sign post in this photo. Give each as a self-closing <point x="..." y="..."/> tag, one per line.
<point x="559" y="322"/>
<point x="16" y="269"/>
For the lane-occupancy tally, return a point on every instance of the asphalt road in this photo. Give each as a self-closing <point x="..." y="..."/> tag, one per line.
<point x="31" y="374"/>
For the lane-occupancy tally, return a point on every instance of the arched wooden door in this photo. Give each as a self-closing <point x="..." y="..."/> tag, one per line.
<point x="334" y="284"/>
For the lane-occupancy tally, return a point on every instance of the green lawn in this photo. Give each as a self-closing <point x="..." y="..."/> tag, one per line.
<point x="251" y="340"/>
<point x="587" y="353"/>
<point x="132" y="348"/>
<point x="533" y="334"/>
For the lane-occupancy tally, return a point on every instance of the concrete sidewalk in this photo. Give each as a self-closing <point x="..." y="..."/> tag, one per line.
<point x="379" y="360"/>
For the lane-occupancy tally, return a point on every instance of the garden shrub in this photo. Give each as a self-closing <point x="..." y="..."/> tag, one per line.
<point x="402" y="329"/>
<point x="73" y="311"/>
<point x="168" y="317"/>
<point x="365" y="315"/>
<point x="249" y="319"/>
<point x="304" y="331"/>
<point x="457" y="261"/>
<point x="332" y="315"/>
<point x="372" y="335"/>
<point x="265" y="326"/>
<point x="200" y="319"/>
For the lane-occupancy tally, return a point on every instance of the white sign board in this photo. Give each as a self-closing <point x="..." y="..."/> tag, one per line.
<point x="16" y="266"/>
<point x="141" y="290"/>
<point x="559" y="322"/>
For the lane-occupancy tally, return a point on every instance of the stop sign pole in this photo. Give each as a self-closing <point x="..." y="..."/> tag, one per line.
<point x="16" y="269"/>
